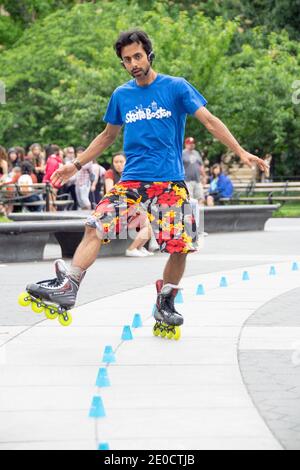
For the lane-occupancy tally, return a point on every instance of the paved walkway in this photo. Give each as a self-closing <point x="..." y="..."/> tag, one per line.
<point x="197" y="393"/>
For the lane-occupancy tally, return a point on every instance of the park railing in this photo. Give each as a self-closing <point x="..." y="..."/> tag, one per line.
<point x="16" y="195"/>
<point x="269" y="192"/>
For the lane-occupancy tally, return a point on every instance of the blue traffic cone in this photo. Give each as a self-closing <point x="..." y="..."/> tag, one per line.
<point x="137" y="321"/>
<point x="246" y="276"/>
<point x="97" y="409"/>
<point x="179" y="298"/>
<point x="126" y="335"/>
<point x="200" y="290"/>
<point x="223" y="282"/>
<point x="103" y="446"/>
<point x="108" y="356"/>
<point x="295" y="267"/>
<point x="102" y="379"/>
<point x="272" y="271"/>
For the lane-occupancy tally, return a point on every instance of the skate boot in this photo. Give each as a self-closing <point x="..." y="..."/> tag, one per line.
<point x="168" y="320"/>
<point x="55" y="296"/>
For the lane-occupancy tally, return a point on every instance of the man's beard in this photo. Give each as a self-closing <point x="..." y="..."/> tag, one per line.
<point x="144" y="71"/>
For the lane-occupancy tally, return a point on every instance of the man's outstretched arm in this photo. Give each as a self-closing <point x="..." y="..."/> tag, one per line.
<point x="96" y="148"/>
<point x="216" y="127"/>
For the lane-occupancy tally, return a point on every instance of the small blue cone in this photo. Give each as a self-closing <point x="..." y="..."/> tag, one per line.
<point x="223" y="282"/>
<point x="272" y="271"/>
<point x="102" y="379"/>
<point x="200" y="290"/>
<point x="103" y="446"/>
<point x="97" y="408"/>
<point x="246" y="276"/>
<point x="137" y="321"/>
<point x="179" y="298"/>
<point x="295" y="267"/>
<point x="108" y="356"/>
<point x="126" y="335"/>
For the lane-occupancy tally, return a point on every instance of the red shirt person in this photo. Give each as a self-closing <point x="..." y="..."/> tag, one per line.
<point x="53" y="162"/>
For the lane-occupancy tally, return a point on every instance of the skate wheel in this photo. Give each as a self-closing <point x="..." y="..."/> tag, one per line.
<point x="163" y="333"/>
<point x="156" y="331"/>
<point x="51" y="312"/>
<point x="170" y="334"/>
<point x="65" y="320"/>
<point x="24" y="299"/>
<point x="177" y="334"/>
<point x="36" y="307"/>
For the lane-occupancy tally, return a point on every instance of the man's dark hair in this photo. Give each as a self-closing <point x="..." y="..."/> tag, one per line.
<point x="129" y="37"/>
<point x="26" y="168"/>
<point x="51" y="149"/>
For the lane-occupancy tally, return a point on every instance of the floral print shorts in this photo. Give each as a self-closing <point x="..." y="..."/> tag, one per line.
<point x="164" y="206"/>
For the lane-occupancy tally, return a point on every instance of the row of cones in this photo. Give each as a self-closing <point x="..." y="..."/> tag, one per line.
<point x="97" y="408"/>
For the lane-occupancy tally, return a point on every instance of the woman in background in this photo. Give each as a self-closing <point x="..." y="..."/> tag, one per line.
<point x="220" y="186"/>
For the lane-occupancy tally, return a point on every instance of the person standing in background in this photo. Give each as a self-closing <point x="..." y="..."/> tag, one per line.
<point x="53" y="162"/>
<point x="70" y="186"/>
<point x="3" y="173"/>
<point x="195" y="175"/>
<point x="83" y="182"/>
<point x="113" y="175"/>
<point x="21" y="153"/>
<point x="13" y="159"/>
<point x="38" y="161"/>
<point x="96" y="187"/>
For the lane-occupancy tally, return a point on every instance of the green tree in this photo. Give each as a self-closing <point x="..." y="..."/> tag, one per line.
<point x="60" y="75"/>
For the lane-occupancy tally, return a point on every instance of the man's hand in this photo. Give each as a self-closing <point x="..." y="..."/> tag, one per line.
<point x="63" y="174"/>
<point x="216" y="127"/>
<point x="249" y="159"/>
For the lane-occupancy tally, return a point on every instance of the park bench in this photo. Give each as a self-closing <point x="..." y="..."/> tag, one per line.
<point x="26" y="241"/>
<point x="12" y="195"/>
<point x="269" y="193"/>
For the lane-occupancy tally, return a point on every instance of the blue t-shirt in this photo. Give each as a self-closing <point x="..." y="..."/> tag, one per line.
<point x="154" y="119"/>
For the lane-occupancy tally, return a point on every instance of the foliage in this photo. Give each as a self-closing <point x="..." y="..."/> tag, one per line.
<point x="60" y="74"/>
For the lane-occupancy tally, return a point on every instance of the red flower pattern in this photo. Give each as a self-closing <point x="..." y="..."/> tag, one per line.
<point x="156" y="190"/>
<point x="168" y="199"/>
<point x="146" y="192"/>
<point x="175" y="246"/>
<point x="130" y="184"/>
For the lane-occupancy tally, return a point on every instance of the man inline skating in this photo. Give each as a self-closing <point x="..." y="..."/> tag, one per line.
<point x="152" y="108"/>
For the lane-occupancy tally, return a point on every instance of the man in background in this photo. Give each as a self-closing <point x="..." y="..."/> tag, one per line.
<point x="195" y="175"/>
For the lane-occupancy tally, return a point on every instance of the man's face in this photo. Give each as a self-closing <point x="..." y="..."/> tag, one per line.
<point x="135" y="60"/>
<point x="190" y="146"/>
<point x="70" y="153"/>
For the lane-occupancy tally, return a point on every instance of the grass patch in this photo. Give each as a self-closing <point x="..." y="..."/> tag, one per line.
<point x="4" y="219"/>
<point x="288" y="210"/>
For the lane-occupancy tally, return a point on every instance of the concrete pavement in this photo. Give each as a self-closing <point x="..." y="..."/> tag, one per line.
<point x="190" y="394"/>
